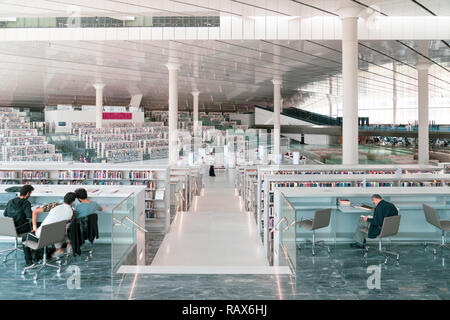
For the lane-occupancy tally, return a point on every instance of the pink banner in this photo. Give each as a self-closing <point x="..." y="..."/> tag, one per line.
<point x="117" y="115"/>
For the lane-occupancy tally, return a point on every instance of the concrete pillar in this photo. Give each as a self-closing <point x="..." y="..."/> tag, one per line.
<point x="173" y="112"/>
<point x="350" y="88"/>
<point x="394" y="93"/>
<point x="195" y="95"/>
<point x="423" y="135"/>
<point x="330" y="102"/>
<point x="276" y="118"/>
<point x="99" y="104"/>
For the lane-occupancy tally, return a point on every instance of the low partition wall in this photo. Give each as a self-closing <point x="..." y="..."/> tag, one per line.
<point x="345" y="216"/>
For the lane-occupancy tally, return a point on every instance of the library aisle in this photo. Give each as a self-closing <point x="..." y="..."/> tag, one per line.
<point x="214" y="232"/>
<point x="215" y="237"/>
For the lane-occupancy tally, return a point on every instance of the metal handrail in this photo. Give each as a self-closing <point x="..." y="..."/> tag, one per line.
<point x="132" y="221"/>
<point x="120" y="203"/>
<point x="279" y="223"/>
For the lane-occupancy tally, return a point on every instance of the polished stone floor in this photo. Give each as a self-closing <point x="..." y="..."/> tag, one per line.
<point x="342" y="275"/>
<point x="215" y="232"/>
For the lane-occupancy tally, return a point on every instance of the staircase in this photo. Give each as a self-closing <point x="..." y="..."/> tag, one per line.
<point x="154" y="237"/>
<point x="308" y="116"/>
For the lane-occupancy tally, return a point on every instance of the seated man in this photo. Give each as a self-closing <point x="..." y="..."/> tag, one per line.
<point x="382" y="210"/>
<point x="85" y="208"/>
<point x="19" y="209"/>
<point x="63" y="212"/>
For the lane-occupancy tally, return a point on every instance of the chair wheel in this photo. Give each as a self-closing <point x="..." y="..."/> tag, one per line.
<point x="4" y="260"/>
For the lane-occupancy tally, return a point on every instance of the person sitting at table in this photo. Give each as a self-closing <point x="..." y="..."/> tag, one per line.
<point x="62" y="212"/>
<point x="373" y="224"/>
<point x="19" y="209"/>
<point x="84" y="209"/>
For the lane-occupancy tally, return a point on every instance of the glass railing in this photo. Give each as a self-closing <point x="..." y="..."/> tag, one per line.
<point x="75" y="21"/>
<point x="287" y="235"/>
<point x="123" y="234"/>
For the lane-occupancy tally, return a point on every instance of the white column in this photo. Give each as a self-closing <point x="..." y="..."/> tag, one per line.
<point x="195" y="109"/>
<point x="394" y="93"/>
<point x="276" y="118"/>
<point x="350" y="88"/>
<point x="330" y="102"/>
<point x="173" y="112"/>
<point x="99" y="104"/>
<point x="423" y="149"/>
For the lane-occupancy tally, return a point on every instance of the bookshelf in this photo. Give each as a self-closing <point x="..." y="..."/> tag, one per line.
<point x="265" y="215"/>
<point x="318" y="170"/>
<point x="156" y="198"/>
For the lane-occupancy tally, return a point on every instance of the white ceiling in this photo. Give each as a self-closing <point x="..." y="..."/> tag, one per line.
<point x="304" y="8"/>
<point x="226" y="73"/>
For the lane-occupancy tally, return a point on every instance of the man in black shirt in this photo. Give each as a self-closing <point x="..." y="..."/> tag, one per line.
<point x="373" y="224"/>
<point x="19" y="209"/>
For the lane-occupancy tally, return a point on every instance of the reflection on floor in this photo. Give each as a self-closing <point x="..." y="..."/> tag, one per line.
<point x="94" y="278"/>
<point x="342" y="275"/>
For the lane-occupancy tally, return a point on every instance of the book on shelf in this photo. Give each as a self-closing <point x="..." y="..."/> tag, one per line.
<point x="141" y="175"/>
<point x="106" y="174"/>
<point x="35" y="175"/>
<point x="73" y="174"/>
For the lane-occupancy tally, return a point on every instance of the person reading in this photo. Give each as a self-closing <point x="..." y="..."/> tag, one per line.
<point x="373" y="223"/>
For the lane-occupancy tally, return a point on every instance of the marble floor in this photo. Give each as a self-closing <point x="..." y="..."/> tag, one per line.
<point x="227" y="240"/>
<point x="341" y="275"/>
<point x="215" y="232"/>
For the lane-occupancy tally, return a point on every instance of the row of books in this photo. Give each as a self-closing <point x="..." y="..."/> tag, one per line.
<point x="39" y="157"/>
<point x="8" y="174"/>
<point x="124" y="155"/>
<point x="154" y="194"/>
<point x="141" y="175"/>
<point x="19" y="141"/>
<point x="26" y="150"/>
<point x="73" y="174"/>
<point x="18" y="132"/>
<point x="107" y="174"/>
<point x="158" y="152"/>
<point x="35" y="174"/>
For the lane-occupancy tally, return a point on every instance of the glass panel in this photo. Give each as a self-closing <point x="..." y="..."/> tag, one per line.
<point x="288" y="246"/>
<point x="123" y="236"/>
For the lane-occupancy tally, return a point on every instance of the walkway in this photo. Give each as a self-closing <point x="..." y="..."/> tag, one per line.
<point x="216" y="236"/>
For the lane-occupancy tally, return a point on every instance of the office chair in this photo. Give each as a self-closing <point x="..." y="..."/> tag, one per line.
<point x="50" y="234"/>
<point x="321" y="220"/>
<point x="390" y="228"/>
<point x="7" y="228"/>
<point x="432" y="218"/>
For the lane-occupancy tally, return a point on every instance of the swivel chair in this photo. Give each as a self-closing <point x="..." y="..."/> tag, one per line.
<point x="50" y="234"/>
<point x="7" y="228"/>
<point x="432" y="218"/>
<point x="321" y="220"/>
<point x="390" y="228"/>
